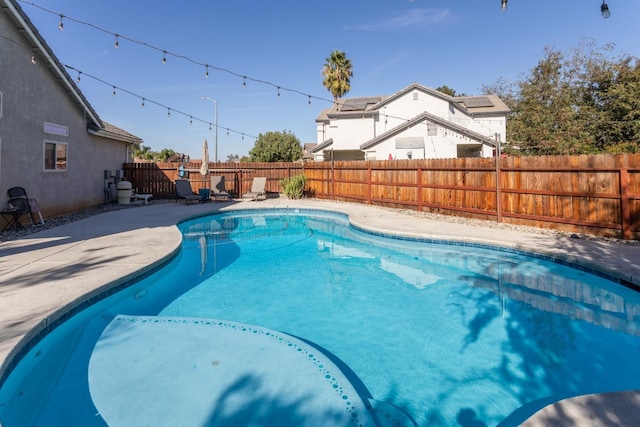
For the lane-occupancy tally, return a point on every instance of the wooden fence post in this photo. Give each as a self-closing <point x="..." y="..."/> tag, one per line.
<point x="369" y="185"/>
<point x="333" y="178"/>
<point x="625" y="212"/>
<point x="419" y="184"/>
<point x="498" y="193"/>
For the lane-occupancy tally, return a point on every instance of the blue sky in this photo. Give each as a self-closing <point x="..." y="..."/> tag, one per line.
<point x="463" y="44"/>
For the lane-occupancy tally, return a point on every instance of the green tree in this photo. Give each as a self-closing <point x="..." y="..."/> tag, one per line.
<point x="584" y="102"/>
<point x="446" y="90"/>
<point x="165" y="155"/>
<point x="612" y="96"/>
<point x="276" y="147"/>
<point x="337" y="73"/>
<point x="142" y="152"/>
<point x="546" y="118"/>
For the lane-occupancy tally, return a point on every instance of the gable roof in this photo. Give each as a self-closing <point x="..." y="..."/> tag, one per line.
<point x="40" y="47"/>
<point x="366" y="106"/>
<point x="320" y="147"/>
<point x="483" y="104"/>
<point x="113" y="132"/>
<point x="417" y="120"/>
<point x="352" y="107"/>
<point x="411" y="88"/>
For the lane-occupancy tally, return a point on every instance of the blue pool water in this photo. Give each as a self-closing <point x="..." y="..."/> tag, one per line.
<point x="450" y="334"/>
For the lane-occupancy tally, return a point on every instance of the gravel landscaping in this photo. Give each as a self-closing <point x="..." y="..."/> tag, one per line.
<point x="18" y="233"/>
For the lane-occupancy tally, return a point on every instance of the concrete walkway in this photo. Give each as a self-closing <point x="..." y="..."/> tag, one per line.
<point x="46" y="274"/>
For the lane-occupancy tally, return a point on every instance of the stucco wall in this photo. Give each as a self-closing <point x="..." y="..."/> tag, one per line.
<point x="349" y="133"/>
<point x="406" y="107"/>
<point x="31" y="96"/>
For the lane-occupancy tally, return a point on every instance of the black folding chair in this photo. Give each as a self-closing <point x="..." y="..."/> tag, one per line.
<point x="18" y="206"/>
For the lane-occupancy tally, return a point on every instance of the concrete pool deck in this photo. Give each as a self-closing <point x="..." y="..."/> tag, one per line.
<point x="46" y="274"/>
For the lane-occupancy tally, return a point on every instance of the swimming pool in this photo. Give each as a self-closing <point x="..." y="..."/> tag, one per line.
<point x="451" y="334"/>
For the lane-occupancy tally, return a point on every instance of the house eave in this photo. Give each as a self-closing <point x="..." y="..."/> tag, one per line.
<point x="318" y="148"/>
<point x="101" y="132"/>
<point x="354" y="115"/>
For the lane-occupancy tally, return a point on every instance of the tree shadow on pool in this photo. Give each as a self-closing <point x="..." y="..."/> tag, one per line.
<point x="262" y="408"/>
<point x="551" y="323"/>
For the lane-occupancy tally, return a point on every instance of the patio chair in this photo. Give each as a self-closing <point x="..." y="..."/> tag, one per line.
<point x="17" y="206"/>
<point x="257" y="189"/>
<point x="184" y="191"/>
<point x="218" y="188"/>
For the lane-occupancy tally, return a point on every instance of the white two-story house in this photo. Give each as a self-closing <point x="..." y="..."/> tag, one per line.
<point x="415" y="123"/>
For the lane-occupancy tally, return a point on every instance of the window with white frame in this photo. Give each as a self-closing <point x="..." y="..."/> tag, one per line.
<point x="55" y="156"/>
<point x="54" y="129"/>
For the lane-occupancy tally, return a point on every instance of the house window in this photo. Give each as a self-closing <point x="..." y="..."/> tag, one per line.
<point x="54" y="129"/>
<point x="55" y="156"/>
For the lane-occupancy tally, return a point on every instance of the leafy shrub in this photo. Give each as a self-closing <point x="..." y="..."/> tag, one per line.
<point x="294" y="187"/>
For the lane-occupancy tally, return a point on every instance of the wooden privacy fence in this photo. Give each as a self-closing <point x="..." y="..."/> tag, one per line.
<point x="595" y="194"/>
<point x="159" y="178"/>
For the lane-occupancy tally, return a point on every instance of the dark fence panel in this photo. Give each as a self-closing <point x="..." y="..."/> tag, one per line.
<point x="159" y="178"/>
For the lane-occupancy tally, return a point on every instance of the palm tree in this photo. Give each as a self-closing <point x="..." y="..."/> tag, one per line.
<point x="337" y="73"/>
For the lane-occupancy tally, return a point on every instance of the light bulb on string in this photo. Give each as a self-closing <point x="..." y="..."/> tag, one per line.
<point x="309" y="102"/>
<point x="278" y="91"/>
<point x="165" y="52"/>
<point x="206" y="73"/>
<point x="604" y="10"/>
<point x="143" y="100"/>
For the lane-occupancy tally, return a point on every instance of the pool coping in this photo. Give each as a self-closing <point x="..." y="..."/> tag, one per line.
<point x="57" y="259"/>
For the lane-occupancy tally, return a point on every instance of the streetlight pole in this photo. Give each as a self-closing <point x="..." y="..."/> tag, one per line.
<point x="215" y="114"/>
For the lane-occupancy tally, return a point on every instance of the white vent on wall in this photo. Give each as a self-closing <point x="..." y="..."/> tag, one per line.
<point x="415" y="95"/>
<point x="53" y="129"/>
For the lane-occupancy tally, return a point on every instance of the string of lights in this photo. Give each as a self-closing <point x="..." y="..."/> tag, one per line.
<point x="144" y="101"/>
<point x="604" y="8"/>
<point x="167" y="53"/>
<point x="207" y="66"/>
<point x="118" y="37"/>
